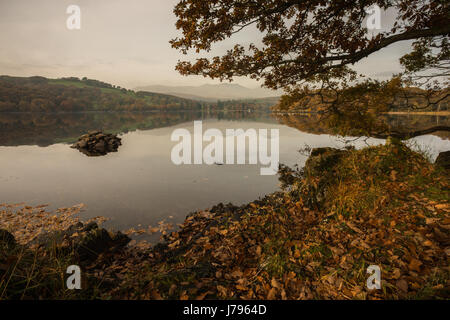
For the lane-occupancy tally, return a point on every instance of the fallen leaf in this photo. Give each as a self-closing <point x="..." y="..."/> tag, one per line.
<point x="272" y="294"/>
<point x="415" y="264"/>
<point x="402" y="285"/>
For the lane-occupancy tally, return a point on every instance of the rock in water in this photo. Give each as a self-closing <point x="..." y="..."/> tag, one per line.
<point x="96" y="143"/>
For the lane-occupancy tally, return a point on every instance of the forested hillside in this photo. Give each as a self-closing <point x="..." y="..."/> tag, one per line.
<point x="404" y="100"/>
<point x="39" y="94"/>
<point x="263" y="104"/>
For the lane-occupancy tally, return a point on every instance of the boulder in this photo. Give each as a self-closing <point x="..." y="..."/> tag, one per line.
<point x="86" y="241"/>
<point x="322" y="160"/>
<point x="7" y="238"/>
<point x="100" y="146"/>
<point x="443" y="160"/>
<point x="97" y="241"/>
<point x="82" y="144"/>
<point x="49" y="240"/>
<point x="321" y="164"/>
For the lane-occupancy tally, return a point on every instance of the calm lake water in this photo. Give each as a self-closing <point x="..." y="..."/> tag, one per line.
<point x="139" y="184"/>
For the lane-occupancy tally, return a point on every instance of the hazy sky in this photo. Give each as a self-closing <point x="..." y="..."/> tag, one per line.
<point x="123" y="42"/>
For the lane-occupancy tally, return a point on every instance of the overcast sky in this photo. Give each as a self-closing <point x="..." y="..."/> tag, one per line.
<point x="123" y="42"/>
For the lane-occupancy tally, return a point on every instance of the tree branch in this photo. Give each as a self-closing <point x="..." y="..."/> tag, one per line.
<point x="411" y="134"/>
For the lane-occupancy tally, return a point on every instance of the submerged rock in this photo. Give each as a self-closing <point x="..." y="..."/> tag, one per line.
<point x="96" y="143"/>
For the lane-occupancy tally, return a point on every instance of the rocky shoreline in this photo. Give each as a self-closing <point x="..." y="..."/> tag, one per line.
<point x="86" y="242"/>
<point x="347" y="209"/>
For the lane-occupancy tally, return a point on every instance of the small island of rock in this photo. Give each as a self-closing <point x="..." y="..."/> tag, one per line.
<point x="97" y="143"/>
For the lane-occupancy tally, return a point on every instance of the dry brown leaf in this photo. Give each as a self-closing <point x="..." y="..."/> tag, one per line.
<point x="415" y="264"/>
<point x="272" y="294"/>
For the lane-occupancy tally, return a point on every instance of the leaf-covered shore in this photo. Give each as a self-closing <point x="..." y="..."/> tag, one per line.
<point x="347" y="209"/>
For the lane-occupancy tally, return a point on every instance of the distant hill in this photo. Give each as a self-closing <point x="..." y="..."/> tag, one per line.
<point x="39" y="94"/>
<point x="213" y="92"/>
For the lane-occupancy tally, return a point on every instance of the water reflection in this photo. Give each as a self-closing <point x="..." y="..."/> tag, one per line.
<point x="44" y="129"/>
<point x="140" y="184"/>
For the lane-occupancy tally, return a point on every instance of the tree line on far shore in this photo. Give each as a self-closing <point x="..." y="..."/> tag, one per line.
<point x="39" y="94"/>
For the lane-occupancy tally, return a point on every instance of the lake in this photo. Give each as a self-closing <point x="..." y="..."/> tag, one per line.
<point x="139" y="184"/>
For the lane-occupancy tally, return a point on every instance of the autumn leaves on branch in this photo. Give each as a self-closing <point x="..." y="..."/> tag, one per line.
<point x="308" y="48"/>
